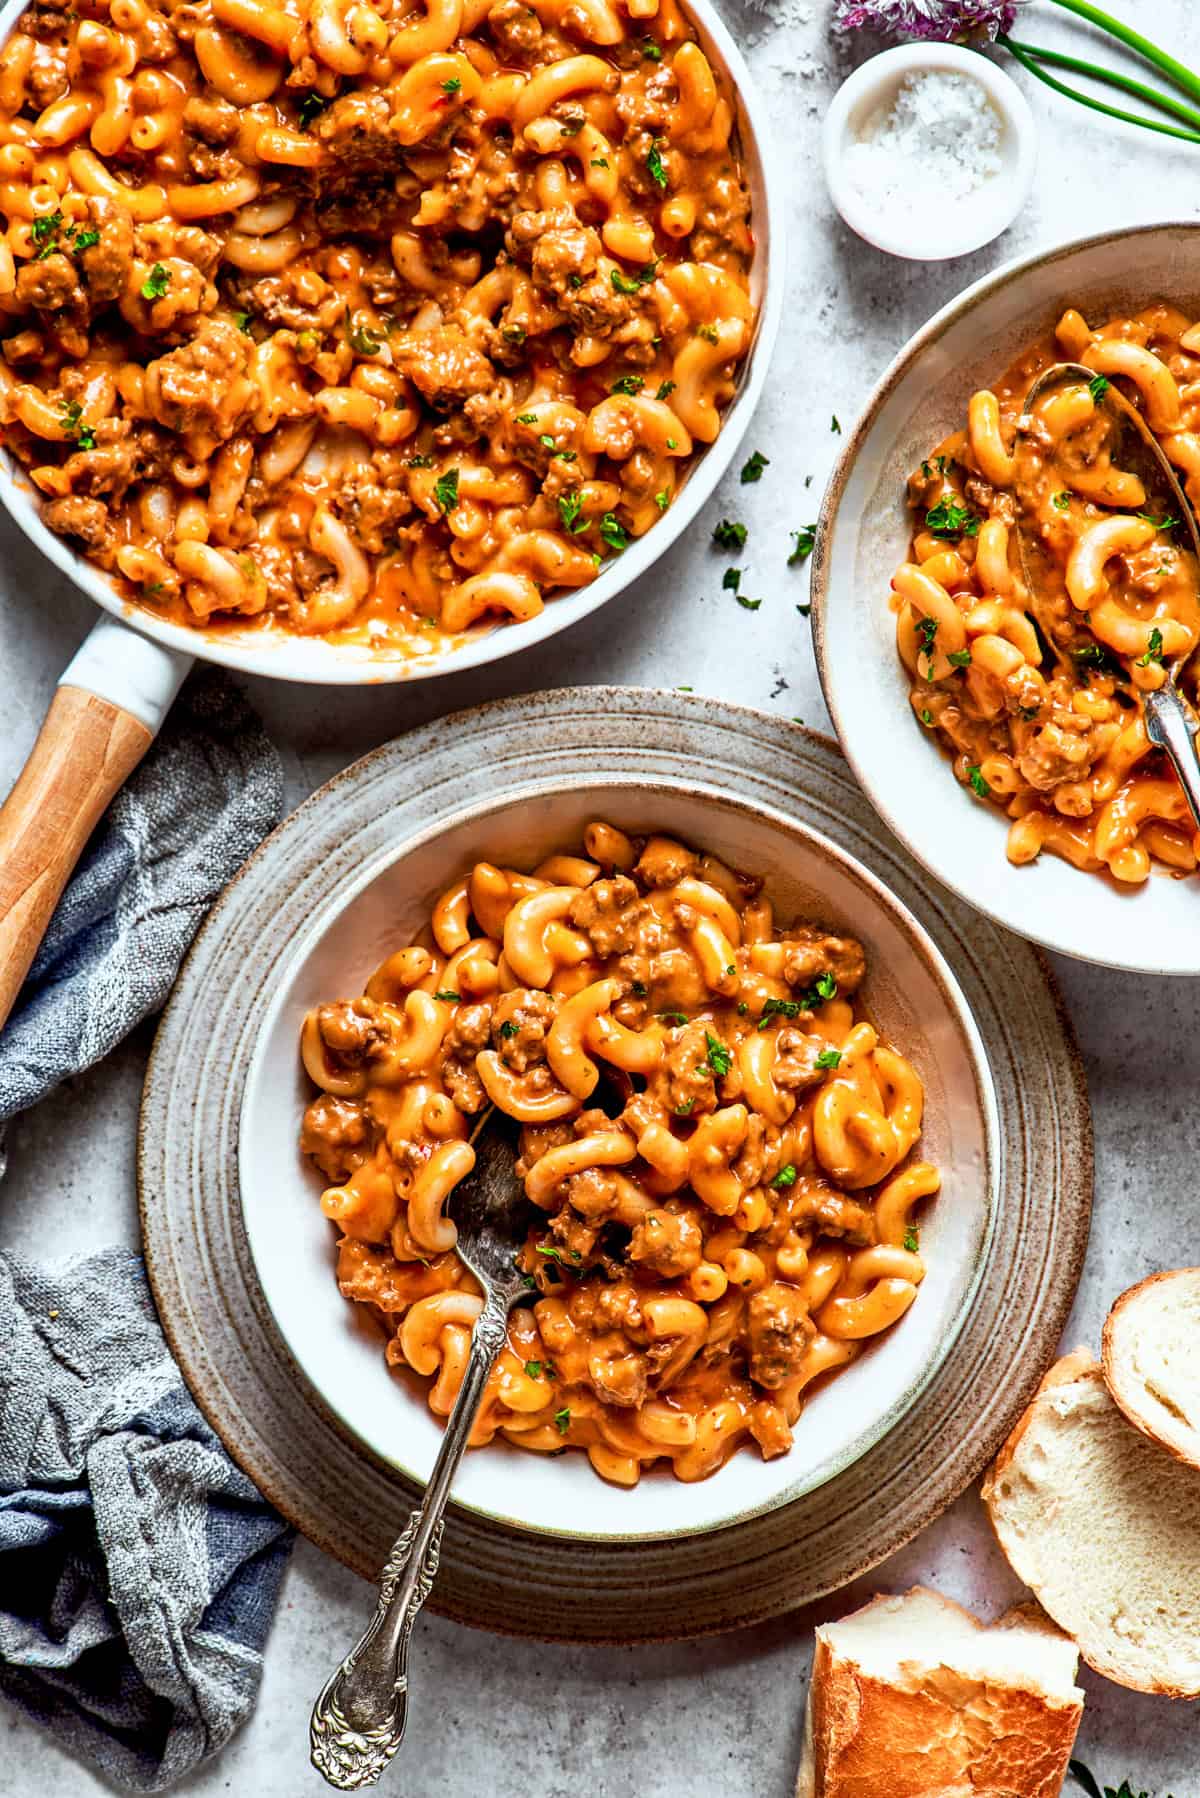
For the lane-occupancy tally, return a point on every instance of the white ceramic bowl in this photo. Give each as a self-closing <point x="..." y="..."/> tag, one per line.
<point x="864" y="535"/>
<point x="314" y="660"/>
<point x="958" y="226"/>
<point x="910" y="993"/>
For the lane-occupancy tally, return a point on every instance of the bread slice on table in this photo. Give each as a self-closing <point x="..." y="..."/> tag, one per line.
<point x="1105" y="1527"/>
<point x="912" y="1697"/>
<point x="1151" y="1360"/>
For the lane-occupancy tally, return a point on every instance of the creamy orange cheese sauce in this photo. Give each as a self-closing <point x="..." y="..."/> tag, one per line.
<point x="369" y="321"/>
<point x="717" y="1143"/>
<point x="1058" y="741"/>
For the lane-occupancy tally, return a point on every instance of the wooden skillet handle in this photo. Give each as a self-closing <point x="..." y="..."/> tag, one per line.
<point x="104" y="717"/>
<point x="85" y="751"/>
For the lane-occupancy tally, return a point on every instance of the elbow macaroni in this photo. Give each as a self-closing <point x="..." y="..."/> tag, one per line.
<point x="733" y="1221"/>
<point x="1059" y="743"/>
<point x="421" y="311"/>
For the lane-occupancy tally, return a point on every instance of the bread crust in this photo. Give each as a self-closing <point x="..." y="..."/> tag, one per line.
<point x="1125" y="1401"/>
<point x="1080" y="1365"/>
<point x="946" y="1735"/>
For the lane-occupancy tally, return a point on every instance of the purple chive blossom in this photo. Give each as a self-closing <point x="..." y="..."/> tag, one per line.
<point x="943" y="20"/>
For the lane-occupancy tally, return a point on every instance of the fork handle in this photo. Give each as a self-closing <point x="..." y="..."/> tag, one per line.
<point x="358" y="1721"/>
<point x="1170" y="725"/>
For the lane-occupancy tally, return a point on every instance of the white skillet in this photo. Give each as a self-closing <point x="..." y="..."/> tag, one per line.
<point x="114" y="695"/>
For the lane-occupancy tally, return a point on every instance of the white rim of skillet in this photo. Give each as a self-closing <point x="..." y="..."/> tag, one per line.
<point x="326" y="921"/>
<point x="920" y="341"/>
<point x="355" y="667"/>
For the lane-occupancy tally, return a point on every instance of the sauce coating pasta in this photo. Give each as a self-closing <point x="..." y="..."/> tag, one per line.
<point x="372" y="321"/>
<point x="1059" y="741"/>
<point x="719" y="1141"/>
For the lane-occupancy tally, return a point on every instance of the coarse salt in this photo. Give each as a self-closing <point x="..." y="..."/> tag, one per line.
<point x="938" y="140"/>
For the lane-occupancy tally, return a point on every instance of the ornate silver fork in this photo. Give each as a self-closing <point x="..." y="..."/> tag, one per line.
<point x="358" y="1721"/>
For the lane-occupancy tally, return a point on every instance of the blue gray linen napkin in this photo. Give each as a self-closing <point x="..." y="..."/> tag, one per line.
<point x="138" y="1566"/>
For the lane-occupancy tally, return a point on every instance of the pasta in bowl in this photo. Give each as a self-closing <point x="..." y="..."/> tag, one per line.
<point x="730" y="1200"/>
<point x="1056" y="771"/>
<point x="367" y="345"/>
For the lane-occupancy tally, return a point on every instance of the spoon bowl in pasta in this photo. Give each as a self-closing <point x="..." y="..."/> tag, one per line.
<point x="756" y="1131"/>
<point x="1024" y="768"/>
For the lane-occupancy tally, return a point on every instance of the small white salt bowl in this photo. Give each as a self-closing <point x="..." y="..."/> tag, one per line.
<point x="956" y="224"/>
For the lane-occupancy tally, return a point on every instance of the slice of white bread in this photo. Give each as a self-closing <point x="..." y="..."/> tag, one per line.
<point x="912" y="1697"/>
<point x="1105" y="1527"/>
<point x="1151" y="1360"/>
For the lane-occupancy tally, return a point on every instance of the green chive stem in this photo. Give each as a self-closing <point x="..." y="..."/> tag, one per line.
<point x="1072" y="93"/>
<point x="1058" y="59"/>
<point x="1176" y="72"/>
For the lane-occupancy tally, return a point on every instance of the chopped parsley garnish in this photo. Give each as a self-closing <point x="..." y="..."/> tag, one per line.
<point x="526" y="418"/>
<point x="553" y="1254"/>
<point x="752" y="470"/>
<point x="449" y="998"/>
<point x="365" y="342"/>
<point x="959" y="658"/>
<point x="1098" y="387"/>
<point x="630" y="384"/>
<point x="82" y="240"/>
<point x="546" y="441"/>
<point x="747" y="605"/>
<point x="684" y="1110"/>
<point x="453" y="86"/>
<point x="599" y="162"/>
<point x="785" y="1177"/>
<point x="534" y="1369"/>
<point x="823" y="988"/>
<point x="1096" y="656"/>
<point x="445" y="490"/>
<point x="805" y="537"/>
<point x="708" y="332"/>
<point x="1166" y="523"/>
<point x="310" y="105"/>
<point x="654" y="164"/>
<point x="834" y="426"/>
<point x="949" y="519"/>
<point x="562" y="1420"/>
<point x="729" y="534"/>
<point x="513" y="333"/>
<point x="45" y="228"/>
<point x="613" y="532"/>
<point x="156" y="282"/>
<point x="927" y="630"/>
<point x="242" y="321"/>
<point x="743" y="1008"/>
<point x="1061" y="501"/>
<point x="639" y="989"/>
<point x="719" y="1058"/>
<point x="666" y="389"/>
<point x="912" y="1240"/>
<point x="631" y="283"/>
<point x="926" y="715"/>
<point x="778" y="1008"/>
<point x="83" y="435"/>
<point x="662" y="500"/>
<point x="650" y="50"/>
<point x="1154" y="649"/>
<point x="829" y="1058"/>
<point x="672" y="1017"/>
<point x="979" y="785"/>
<point x="731" y="580"/>
<point x="508" y="1028"/>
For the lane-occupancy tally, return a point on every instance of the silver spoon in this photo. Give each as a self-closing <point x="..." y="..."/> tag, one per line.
<point x="358" y="1721"/>
<point x="1171" y="725"/>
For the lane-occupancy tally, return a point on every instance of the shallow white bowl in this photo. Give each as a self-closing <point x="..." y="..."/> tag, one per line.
<point x="912" y="996"/>
<point x="958" y="226"/>
<point x="864" y="535"/>
<point x="309" y="659"/>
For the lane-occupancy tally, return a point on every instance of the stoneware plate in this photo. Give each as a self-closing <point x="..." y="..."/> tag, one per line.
<point x="864" y="535"/>
<point x="910" y="994"/>
<point x="291" y="657"/>
<point x="349" y="1499"/>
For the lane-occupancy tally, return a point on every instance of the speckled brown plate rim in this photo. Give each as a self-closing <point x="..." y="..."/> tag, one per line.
<point x="474" y="1591"/>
